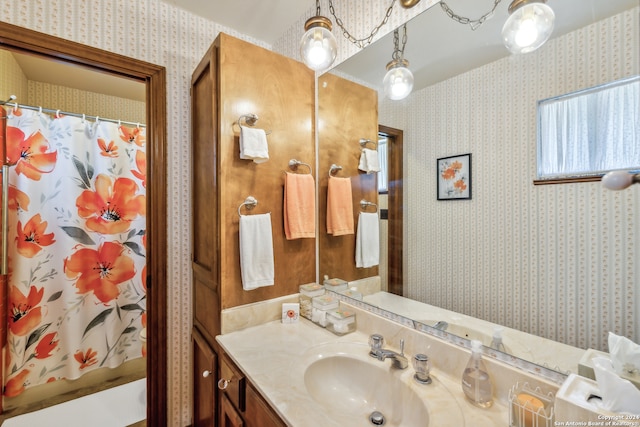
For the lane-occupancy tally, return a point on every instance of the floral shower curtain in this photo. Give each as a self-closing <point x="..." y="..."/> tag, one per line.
<point x="77" y="219"/>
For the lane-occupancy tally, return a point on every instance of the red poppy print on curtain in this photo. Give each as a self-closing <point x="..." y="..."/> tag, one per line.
<point x="112" y="206"/>
<point x="100" y="271"/>
<point x="76" y="298"/>
<point x="31" y="155"/>
<point x="33" y="237"/>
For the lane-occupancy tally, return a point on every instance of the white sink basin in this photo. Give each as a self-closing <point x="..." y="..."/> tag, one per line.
<point x="353" y="384"/>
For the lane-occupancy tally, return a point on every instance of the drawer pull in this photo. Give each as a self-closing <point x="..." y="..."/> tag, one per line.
<point x="223" y="384"/>
<point x="205" y="374"/>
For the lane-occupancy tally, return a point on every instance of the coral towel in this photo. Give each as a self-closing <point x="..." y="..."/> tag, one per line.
<point x="299" y="206"/>
<point x="256" y="251"/>
<point x="253" y="144"/>
<point x="368" y="240"/>
<point x="339" y="206"/>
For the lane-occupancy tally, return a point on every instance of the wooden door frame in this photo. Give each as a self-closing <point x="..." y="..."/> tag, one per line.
<point x="27" y="41"/>
<point x="395" y="224"/>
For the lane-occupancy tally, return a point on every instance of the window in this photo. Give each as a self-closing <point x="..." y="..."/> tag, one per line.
<point x="590" y="132"/>
<point x="383" y="181"/>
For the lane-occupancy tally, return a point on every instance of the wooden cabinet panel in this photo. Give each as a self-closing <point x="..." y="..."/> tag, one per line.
<point x="234" y="386"/>
<point x="204" y="382"/>
<point x="233" y="79"/>
<point x="349" y="112"/>
<point x="259" y="413"/>
<point x="280" y="91"/>
<point x="229" y="417"/>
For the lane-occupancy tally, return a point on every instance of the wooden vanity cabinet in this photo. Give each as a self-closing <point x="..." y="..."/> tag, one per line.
<point x="233" y="79"/>
<point x="205" y="366"/>
<point x="240" y="403"/>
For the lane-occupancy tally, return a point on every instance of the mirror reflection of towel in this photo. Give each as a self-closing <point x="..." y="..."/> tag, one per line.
<point x="369" y="161"/>
<point x="339" y="206"/>
<point x="256" y="251"/>
<point x="368" y="240"/>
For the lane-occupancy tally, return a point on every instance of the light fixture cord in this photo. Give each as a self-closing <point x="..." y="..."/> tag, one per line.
<point x="317" y="7"/>
<point x="473" y="23"/>
<point x="363" y="42"/>
<point x="398" y="54"/>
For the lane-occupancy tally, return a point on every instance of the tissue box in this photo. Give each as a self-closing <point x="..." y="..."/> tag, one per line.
<point x="290" y="312"/>
<point x="585" y="367"/>
<point x="576" y="402"/>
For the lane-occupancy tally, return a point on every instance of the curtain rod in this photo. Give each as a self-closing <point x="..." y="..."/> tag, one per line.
<point x="58" y="112"/>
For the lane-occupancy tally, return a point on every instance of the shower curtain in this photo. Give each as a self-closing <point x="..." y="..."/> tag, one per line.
<point x="76" y="296"/>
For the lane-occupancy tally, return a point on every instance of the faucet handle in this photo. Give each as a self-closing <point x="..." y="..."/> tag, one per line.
<point x="421" y="366"/>
<point x="376" y="341"/>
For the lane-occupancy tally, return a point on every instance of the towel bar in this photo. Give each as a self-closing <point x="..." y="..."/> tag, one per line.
<point x="364" y="204"/>
<point x="250" y="202"/>
<point x="365" y="141"/>
<point x="334" y="168"/>
<point x="293" y="165"/>
<point x="249" y="120"/>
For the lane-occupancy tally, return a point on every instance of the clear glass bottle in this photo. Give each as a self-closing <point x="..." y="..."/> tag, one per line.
<point x="476" y="383"/>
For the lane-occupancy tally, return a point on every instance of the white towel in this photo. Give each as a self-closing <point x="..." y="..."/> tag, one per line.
<point x="369" y="161"/>
<point x="368" y="240"/>
<point x="256" y="251"/>
<point x="253" y="144"/>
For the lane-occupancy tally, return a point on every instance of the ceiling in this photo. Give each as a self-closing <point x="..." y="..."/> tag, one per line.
<point x="263" y="20"/>
<point x="38" y="69"/>
<point x="437" y="47"/>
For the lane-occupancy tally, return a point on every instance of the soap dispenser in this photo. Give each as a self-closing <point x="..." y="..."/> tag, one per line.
<point x="476" y="383"/>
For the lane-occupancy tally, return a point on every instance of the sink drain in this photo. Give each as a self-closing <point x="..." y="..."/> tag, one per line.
<point x="376" y="418"/>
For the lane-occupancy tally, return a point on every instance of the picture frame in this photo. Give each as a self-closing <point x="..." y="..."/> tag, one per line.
<point x="454" y="177"/>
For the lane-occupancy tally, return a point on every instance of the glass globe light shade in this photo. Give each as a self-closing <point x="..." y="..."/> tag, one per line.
<point x="318" y="47"/>
<point x="398" y="82"/>
<point x="528" y="27"/>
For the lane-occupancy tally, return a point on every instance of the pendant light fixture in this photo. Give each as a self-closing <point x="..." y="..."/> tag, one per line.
<point x="398" y="82"/>
<point x="529" y="25"/>
<point x="318" y="47"/>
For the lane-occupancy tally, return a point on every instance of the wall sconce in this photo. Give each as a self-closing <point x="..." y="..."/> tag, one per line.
<point x="398" y="81"/>
<point x="529" y="25"/>
<point x="619" y="180"/>
<point x="318" y="47"/>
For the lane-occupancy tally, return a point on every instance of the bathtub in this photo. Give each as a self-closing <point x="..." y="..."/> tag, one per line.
<point x="116" y="407"/>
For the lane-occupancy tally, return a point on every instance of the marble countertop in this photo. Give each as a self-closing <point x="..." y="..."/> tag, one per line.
<point x="274" y="357"/>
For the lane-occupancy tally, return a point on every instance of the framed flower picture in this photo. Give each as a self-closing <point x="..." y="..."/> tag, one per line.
<point x="454" y="177"/>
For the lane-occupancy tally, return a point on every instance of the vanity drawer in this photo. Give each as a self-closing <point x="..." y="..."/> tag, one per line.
<point x="232" y="382"/>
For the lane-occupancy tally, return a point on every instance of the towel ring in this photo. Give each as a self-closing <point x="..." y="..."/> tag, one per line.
<point x="250" y="121"/>
<point x="293" y="165"/>
<point x="250" y="202"/>
<point x="365" y="141"/>
<point x="364" y="204"/>
<point x="333" y="169"/>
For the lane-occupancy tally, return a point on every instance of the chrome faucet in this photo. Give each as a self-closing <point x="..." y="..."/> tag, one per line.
<point x="376" y="341"/>
<point x="442" y="325"/>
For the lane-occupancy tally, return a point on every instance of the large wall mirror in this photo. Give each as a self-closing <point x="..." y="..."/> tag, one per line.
<point x="555" y="262"/>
